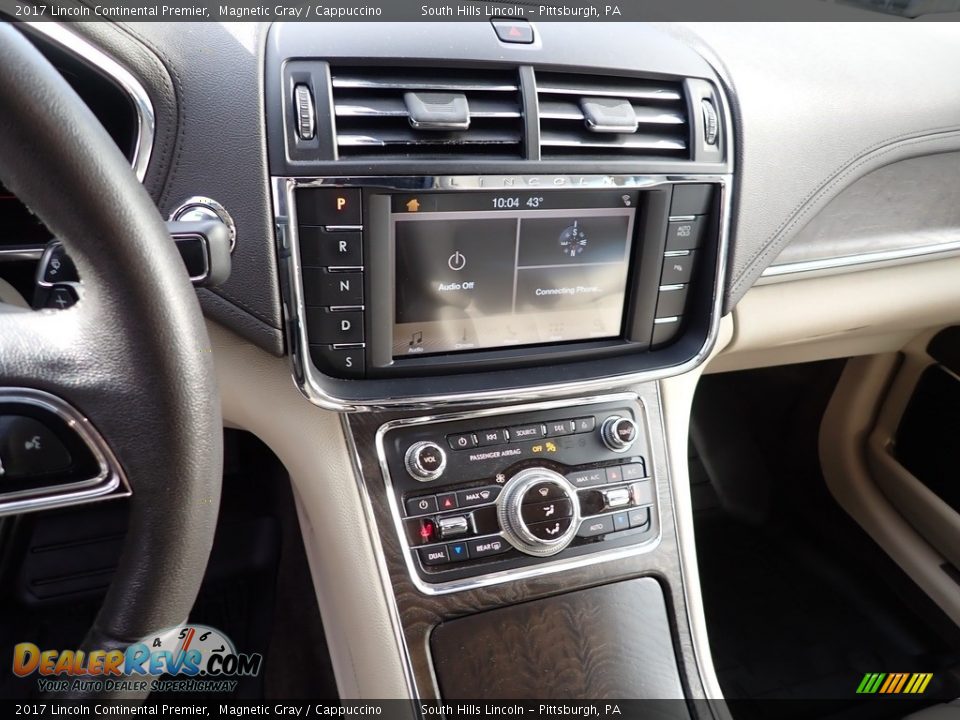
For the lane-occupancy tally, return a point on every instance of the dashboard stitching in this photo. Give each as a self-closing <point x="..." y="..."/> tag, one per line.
<point x="236" y="301"/>
<point x="179" y="99"/>
<point x="161" y="150"/>
<point x="809" y="202"/>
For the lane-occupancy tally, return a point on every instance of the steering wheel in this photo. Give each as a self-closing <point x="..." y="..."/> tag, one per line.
<point x="132" y="356"/>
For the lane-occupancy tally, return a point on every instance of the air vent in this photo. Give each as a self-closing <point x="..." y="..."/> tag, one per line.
<point x="427" y="113"/>
<point x="611" y="117"/>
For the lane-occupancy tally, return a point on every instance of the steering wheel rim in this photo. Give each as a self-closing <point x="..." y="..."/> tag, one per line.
<point x="132" y="356"/>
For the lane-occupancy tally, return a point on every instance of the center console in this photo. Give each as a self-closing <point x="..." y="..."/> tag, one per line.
<point x="488" y="262"/>
<point x="480" y="499"/>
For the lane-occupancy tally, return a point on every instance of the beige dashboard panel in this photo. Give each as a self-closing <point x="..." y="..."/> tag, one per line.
<point x="858" y="313"/>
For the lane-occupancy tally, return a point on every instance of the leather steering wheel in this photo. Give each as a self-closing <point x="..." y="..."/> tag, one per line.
<point x="132" y="356"/>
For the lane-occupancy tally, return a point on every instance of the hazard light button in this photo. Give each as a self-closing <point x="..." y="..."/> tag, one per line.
<point x="513" y="31"/>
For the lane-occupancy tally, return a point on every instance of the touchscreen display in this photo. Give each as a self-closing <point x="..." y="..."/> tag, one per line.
<point x="489" y="270"/>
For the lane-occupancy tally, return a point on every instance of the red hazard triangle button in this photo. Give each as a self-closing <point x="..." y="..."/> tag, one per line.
<point x="513" y="31"/>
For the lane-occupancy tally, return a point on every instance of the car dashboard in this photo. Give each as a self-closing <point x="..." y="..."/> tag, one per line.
<point x="478" y="269"/>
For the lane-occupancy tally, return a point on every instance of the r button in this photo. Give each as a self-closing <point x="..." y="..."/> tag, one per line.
<point x="319" y="248"/>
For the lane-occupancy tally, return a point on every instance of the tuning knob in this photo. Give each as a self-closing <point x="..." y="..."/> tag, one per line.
<point x="619" y="433"/>
<point x="539" y="512"/>
<point x="425" y="461"/>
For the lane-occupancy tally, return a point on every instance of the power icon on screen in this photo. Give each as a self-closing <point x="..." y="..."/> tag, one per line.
<point x="457" y="261"/>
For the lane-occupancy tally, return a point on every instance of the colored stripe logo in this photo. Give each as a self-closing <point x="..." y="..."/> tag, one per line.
<point x="894" y="683"/>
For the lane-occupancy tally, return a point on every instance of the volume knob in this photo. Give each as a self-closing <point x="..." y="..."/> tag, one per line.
<point x="619" y="433"/>
<point x="425" y="461"/>
<point x="539" y="512"/>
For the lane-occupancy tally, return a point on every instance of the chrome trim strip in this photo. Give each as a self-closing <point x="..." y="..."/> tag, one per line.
<point x="690" y="577"/>
<point x="146" y="118"/>
<point x="21" y="253"/>
<point x="110" y="482"/>
<point x="44" y="261"/>
<point x="309" y="379"/>
<point x="855" y="263"/>
<point x="386" y="583"/>
<point x="544" y="568"/>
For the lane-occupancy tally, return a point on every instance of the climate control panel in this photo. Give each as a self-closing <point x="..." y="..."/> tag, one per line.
<point x="481" y="495"/>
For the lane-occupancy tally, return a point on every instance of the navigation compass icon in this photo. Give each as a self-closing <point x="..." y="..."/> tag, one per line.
<point x="573" y="240"/>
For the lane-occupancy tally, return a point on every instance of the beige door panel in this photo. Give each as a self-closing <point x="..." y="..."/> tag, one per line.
<point x="934" y="519"/>
<point x="850" y="463"/>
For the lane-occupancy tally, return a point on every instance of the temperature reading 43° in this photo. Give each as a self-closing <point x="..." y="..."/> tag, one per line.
<point x="534" y="202"/>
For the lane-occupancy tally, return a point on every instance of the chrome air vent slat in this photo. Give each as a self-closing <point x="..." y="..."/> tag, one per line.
<point x="609" y="88"/>
<point x="394" y="107"/>
<point x="400" y="136"/>
<point x="402" y="81"/>
<point x="553" y="139"/>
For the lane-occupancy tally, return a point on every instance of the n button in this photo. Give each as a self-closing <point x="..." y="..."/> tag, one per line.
<point x="322" y="288"/>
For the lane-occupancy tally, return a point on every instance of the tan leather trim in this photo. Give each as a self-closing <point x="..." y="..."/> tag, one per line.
<point x="258" y="395"/>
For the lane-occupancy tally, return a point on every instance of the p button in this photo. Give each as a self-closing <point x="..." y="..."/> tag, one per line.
<point x="329" y="206"/>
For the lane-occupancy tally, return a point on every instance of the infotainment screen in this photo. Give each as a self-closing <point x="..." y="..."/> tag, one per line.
<point x="493" y="270"/>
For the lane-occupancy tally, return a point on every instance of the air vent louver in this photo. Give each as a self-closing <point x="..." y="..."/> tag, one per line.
<point x="373" y="118"/>
<point x="655" y="111"/>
